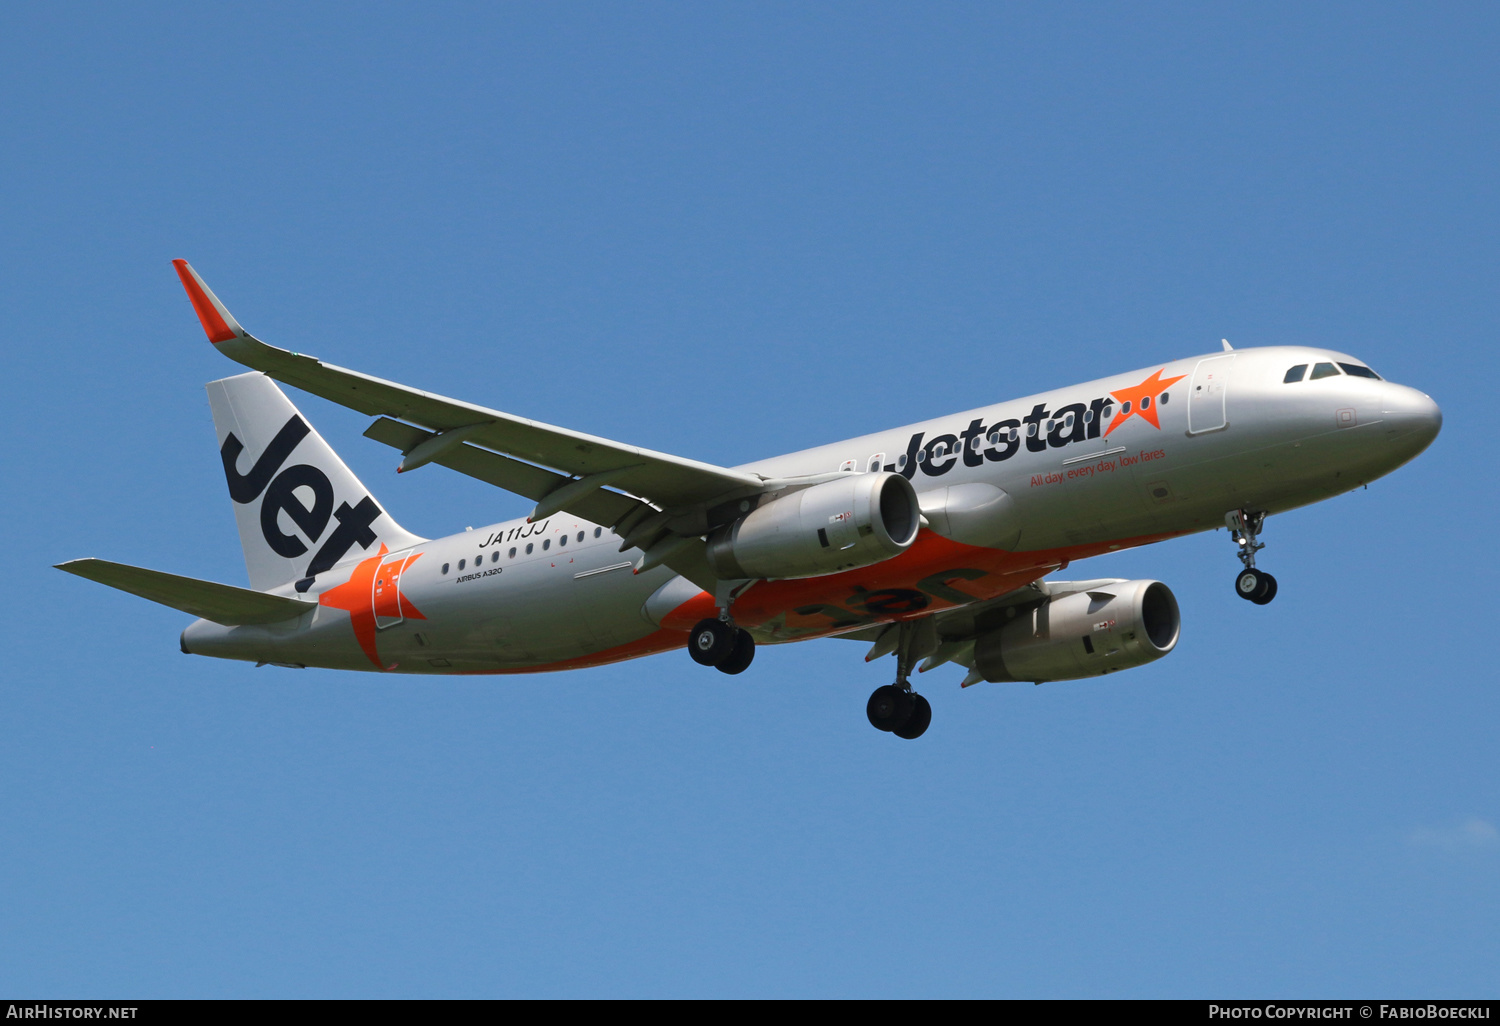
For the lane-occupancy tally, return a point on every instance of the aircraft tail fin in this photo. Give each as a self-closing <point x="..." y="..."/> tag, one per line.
<point x="299" y="508"/>
<point x="221" y="603"/>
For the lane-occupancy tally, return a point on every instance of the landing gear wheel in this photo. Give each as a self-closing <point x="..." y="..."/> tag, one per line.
<point x="889" y="707"/>
<point x="1268" y="592"/>
<point x="1255" y="585"/>
<point x="738" y="660"/>
<point x="916" y="723"/>
<point x="711" y="642"/>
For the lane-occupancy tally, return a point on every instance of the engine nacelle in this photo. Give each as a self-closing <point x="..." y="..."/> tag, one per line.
<point x="1086" y="634"/>
<point x="849" y="522"/>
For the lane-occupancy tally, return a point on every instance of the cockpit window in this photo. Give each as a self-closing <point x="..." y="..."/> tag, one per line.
<point x="1324" y="370"/>
<point x="1357" y="371"/>
<point x="1295" y="374"/>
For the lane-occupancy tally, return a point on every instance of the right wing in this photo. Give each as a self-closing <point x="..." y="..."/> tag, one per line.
<point x="659" y="503"/>
<point x="670" y="482"/>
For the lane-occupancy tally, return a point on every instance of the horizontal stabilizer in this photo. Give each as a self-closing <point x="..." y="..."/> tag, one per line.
<point x="221" y="603"/>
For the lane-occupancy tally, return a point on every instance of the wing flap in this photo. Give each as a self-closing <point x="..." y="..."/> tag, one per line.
<point x="599" y="506"/>
<point x="221" y="603"/>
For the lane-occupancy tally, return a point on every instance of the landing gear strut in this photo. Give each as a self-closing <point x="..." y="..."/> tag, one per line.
<point x="1252" y="584"/>
<point x="896" y="708"/>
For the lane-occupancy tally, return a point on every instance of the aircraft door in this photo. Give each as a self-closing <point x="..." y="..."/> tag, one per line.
<point x="1206" y="397"/>
<point x="385" y="589"/>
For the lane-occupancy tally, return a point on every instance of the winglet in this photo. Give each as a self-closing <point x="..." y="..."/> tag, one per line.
<point x="218" y="323"/>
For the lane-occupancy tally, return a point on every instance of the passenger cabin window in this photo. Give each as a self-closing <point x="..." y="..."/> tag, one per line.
<point x="580" y="536"/>
<point x="1295" y="374"/>
<point x="495" y="556"/>
<point x="1324" y="370"/>
<point x="460" y="564"/>
<point x="445" y="568"/>
<point x="876" y="462"/>
<point x="529" y="547"/>
<point x="546" y="544"/>
<point x="848" y="465"/>
<point x="1357" y="371"/>
<point x="598" y="531"/>
<point x="512" y="552"/>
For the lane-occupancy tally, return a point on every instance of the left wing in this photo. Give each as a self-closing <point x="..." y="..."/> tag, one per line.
<point x="954" y="631"/>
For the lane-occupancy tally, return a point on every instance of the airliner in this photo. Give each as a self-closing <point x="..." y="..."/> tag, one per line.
<point x="932" y="543"/>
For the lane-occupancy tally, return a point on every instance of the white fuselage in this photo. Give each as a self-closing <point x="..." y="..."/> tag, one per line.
<point x="1010" y="493"/>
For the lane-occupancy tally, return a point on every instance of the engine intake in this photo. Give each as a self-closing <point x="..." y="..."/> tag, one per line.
<point x="839" y="525"/>
<point x="1085" y="634"/>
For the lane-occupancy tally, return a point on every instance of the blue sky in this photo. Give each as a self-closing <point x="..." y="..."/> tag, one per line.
<point x="730" y="231"/>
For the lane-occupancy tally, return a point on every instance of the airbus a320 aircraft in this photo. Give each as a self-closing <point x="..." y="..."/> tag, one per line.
<point x="930" y="542"/>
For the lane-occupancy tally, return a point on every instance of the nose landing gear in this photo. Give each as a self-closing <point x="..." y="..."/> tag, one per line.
<point x="1255" y="585"/>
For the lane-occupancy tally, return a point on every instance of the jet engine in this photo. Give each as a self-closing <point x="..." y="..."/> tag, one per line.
<point x="849" y="522"/>
<point x="1085" y="634"/>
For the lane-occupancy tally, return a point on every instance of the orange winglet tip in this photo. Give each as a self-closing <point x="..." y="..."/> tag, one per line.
<point x="211" y="313"/>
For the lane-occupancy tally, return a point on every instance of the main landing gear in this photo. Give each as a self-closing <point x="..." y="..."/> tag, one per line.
<point x="899" y="710"/>
<point x="1255" y="585"/>
<point x="896" y="708"/>
<point x="716" y="641"/>
<point x="722" y="645"/>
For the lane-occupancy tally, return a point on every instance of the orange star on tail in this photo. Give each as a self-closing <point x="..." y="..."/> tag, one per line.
<point x="1141" y="401"/>
<point x="370" y="590"/>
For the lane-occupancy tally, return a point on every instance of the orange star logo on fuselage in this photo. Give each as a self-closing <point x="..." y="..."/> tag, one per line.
<point x="1142" y="400"/>
<point x="373" y="590"/>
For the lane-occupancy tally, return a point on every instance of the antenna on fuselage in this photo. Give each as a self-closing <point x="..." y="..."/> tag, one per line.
<point x="1227" y="347"/>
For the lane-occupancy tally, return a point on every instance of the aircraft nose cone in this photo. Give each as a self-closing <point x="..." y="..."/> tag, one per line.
<point x="1413" y="420"/>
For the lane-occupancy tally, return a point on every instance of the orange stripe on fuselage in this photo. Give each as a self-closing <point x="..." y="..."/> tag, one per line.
<point x="934" y="574"/>
<point x="656" y="641"/>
